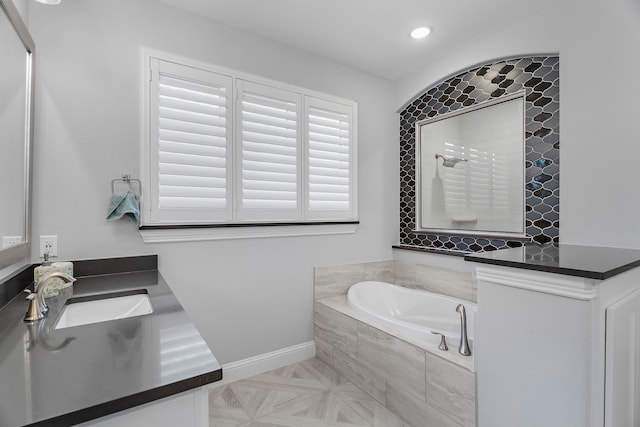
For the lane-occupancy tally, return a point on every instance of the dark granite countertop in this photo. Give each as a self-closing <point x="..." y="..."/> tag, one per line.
<point x="581" y="261"/>
<point x="68" y="376"/>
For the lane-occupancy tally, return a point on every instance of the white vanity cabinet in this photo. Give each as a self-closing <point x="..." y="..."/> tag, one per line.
<point x="558" y="349"/>
<point x="622" y="362"/>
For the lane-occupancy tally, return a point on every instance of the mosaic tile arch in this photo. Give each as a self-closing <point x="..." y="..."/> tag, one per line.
<point x="538" y="76"/>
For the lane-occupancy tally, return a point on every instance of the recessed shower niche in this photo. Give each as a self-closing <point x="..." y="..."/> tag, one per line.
<point x="536" y="78"/>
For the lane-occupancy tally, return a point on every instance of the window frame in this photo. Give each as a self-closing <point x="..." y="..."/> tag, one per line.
<point x="236" y="219"/>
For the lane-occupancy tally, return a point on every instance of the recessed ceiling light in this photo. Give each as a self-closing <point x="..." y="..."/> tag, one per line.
<point x="420" y="33"/>
<point x="52" y="2"/>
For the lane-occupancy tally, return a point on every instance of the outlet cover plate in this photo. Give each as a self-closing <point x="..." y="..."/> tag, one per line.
<point x="50" y="244"/>
<point x="10" y="241"/>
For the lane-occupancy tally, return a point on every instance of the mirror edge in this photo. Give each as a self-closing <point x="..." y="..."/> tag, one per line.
<point x="18" y="255"/>
<point x="419" y="228"/>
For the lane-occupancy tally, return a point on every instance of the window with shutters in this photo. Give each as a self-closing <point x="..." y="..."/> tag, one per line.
<point x="223" y="148"/>
<point x="269" y="141"/>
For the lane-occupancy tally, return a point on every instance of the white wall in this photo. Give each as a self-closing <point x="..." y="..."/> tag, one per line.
<point x="599" y="89"/>
<point x="247" y="297"/>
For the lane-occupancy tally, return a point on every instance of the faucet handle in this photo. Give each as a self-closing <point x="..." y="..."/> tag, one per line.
<point x="443" y="341"/>
<point x="34" y="311"/>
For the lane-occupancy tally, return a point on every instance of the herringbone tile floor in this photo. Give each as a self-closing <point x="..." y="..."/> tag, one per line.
<point x="304" y="394"/>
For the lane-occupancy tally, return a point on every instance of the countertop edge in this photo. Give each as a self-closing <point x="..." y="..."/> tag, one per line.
<point x="547" y="269"/>
<point x="595" y="274"/>
<point x="131" y="401"/>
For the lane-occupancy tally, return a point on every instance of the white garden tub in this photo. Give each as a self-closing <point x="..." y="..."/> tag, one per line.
<point x="412" y="313"/>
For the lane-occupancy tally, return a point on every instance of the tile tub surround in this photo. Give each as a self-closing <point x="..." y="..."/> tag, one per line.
<point x="333" y="281"/>
<point x="412" y="378"/>
<point x="538" y="76"/>
<point x="408" y="376"/>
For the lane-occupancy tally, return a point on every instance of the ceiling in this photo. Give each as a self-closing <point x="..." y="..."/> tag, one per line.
<point x="370" y="35"/>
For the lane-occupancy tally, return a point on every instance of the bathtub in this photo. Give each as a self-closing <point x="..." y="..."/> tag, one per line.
<point x="411" y="313"/>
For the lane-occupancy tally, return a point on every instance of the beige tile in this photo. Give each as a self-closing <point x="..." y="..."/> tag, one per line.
<point x="385" y="418"/>
<point x="405" y="274"/>
<point x="381" y="271"/>
<point x="225" y="410"/>
<point x="454" y="283"/>
<point x="265" y="393"/>
<point x="372" y="411"/>
<point x="367" y="379"/>
<point x="331" y="281"/>
<point x="416" y="413"/>
<point x="325" y="409"/>
<point x="401" y="364"/>
<point x="338" y="303"/>
<point x="323" y="350"/>
<point x="451" y="389"/>
<point x="311" y="394"/>
<point x="335" y="328"/>
<point x="323" y="373"/>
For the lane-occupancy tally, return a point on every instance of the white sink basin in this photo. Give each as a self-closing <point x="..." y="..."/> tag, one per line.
<point x="85" y="310"/>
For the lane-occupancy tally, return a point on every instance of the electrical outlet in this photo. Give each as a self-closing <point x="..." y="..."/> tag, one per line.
<point x="10" y="241"/>
<point x="48" y="244"/>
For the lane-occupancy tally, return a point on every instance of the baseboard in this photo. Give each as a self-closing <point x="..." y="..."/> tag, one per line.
<point x="265" y="362"/>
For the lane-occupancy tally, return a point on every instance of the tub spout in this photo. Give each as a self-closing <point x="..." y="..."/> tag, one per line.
<point x="463" y="348"/>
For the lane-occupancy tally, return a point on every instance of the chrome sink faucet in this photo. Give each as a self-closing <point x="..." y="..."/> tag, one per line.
<point x="37" y="306"/>
<point x="463" y="348"/>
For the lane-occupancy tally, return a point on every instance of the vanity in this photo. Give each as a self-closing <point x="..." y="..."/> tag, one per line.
<point x="149" y="369"/>
<point x="558" y="336"/>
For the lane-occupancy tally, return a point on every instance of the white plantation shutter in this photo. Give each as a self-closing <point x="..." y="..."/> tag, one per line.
<point x="270" y="145"/>
<point x="224" y="148"/>
<point x="330" y="153"/>
<point x="191" y="141"/>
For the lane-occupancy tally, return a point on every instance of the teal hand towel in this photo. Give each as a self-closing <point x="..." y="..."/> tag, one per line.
<point x="124" y="204"/>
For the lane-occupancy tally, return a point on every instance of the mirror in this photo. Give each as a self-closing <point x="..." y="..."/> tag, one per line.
<point x="17" y="50"/>
<point x="471" y="170"/>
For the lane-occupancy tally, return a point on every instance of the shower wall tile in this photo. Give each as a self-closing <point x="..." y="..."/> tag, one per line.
<point x="336" y="329"/>
<point x="443" y="281"/>
<point x="538" y="77"/>
<point x="444" y="380"/>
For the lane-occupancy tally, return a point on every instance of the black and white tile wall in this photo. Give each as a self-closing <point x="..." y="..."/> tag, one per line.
<point x="539" y="77"/>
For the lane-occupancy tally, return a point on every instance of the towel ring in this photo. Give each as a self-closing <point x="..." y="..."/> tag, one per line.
<point x="126" y="178"/>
